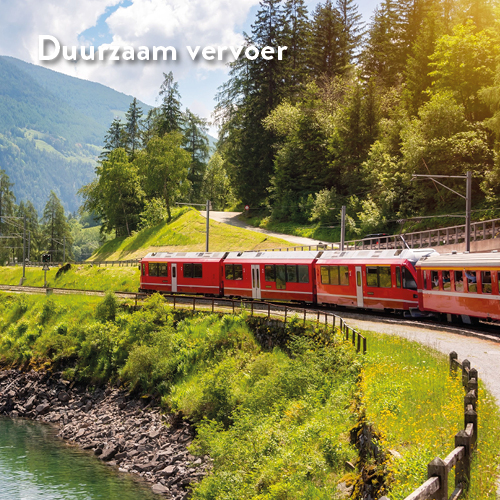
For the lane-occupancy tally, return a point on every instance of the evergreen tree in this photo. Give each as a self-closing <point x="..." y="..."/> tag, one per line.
<point x="33" y="234"/>
<point x="352" y="30"/>
<point x="115" y="138"/>
<point x="56" y="230"/>
<point x="327" y="49"/>
<point x="216" y="186"/>
<point x="170" y="114"/>
<point x="195" y="142"/>
<point x="295" y="37"/>
<point x="133" y="127"/>
<point x="7" y="208"/>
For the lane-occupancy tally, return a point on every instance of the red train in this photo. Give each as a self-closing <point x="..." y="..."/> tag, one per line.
<point x="414" y="282"/>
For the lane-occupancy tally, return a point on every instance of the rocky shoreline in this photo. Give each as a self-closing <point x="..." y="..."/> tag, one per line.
<point x="127" y="433"/>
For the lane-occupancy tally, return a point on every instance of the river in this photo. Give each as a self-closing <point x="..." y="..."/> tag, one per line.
<point x="36" y="465"/>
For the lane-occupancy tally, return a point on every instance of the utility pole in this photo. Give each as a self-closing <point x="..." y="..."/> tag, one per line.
<point x="208" y="223"/>
<point x="64" y="249"/>
<point x="342" y="228"/>
<point x="24" y="249"/>
<point x="467" y="198"/>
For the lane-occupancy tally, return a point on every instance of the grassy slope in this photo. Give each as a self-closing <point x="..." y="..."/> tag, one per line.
<point x="186" y="234"/>
<point x="418" y="408"/>
<point x="80" y="277"/>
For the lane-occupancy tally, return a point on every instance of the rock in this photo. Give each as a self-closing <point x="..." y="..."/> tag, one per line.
<point x="63" y="397"/>
<point x="159" y="489"/>
<point x="42" y="409"/>
<point x="109" y="452"/>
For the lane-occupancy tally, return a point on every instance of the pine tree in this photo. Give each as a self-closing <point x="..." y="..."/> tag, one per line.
<point x="133" y="128"/>
<point x="325" y="49"/>
<point x="196" y="143"/>
<point x="56" y="230"/>
<point x="7" y="208"/>
<point x="295" y="37"/>
<point x="352" y="30"/>
<point x="170" y="115"/>
<point x="115" y="138"/>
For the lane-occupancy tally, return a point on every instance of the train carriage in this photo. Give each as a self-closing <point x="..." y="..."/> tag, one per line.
<point x="270" y="275"/>
<point x="464" y="286"/>
<point x="369" y="279"/>
<point x="182" y="272"/>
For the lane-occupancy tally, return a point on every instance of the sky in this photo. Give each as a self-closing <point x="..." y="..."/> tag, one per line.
<point x="177" y="23"/>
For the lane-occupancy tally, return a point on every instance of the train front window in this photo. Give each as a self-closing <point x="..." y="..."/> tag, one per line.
<point x="398" y="277"/>
<point x="344" y="275"/>
<point x="459" y="281"/>
<point x="471" y="280"/>
<point x="408" y="280"/>
<point x="303" y="273"/>
<point x="486" y="281"/>
<point x="270" y="273"/>
<point x="143" y="269"/>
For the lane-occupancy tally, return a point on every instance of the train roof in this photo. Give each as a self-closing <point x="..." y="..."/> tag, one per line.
<point x="491" y="259"/>
<point x="186" y="255"/>
<point x="308" y="255"/>
<point x="412" y="255"/>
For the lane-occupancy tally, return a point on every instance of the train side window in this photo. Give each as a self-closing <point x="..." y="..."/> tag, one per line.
<point x="303" y="274"/>
<point x="398" y="276"/>
<point x="270" y="273"/>
<point x="409" y="282"/>
<point x="486" y="281"/>
<point x="334" y="275"/>
<point x="435" y="280"/>
<point x="344" y="275"/>
<point x="384" y="277"/>
<point x="425" y="280"/>
<point x="188" y="270"/>
<point x="471" y="280"/>
<point x="371" y="276"/>
<point x="325" y="275"/>
<point x="238" y="272"/>
<point x="291" y="274"/>
<point x="280" y="277"/>
<point x="446" y="280"/>
<point x="229" y="272"/>
<point x="153" y="268"/>
<point x="163" y="270"/>
<point x="459" y="281"/>
<point x="197" y="271"/>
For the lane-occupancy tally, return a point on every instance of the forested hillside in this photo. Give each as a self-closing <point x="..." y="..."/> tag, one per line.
<point x="52" y="128"/>
<point x="355" y="110"/>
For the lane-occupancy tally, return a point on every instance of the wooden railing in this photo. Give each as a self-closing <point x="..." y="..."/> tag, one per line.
<point x="436" y="486"/>
<point x="453" y="235"/>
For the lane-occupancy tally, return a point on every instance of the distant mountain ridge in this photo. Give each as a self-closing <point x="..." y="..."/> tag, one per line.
<point x="51" y="130"/>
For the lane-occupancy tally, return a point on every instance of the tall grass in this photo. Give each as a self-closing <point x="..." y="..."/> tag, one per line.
<point x="418" y="408"/>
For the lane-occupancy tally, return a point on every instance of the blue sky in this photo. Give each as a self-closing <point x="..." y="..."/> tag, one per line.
<point x="137" y="22"/>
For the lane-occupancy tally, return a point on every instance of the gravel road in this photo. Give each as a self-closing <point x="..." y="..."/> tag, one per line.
<point x="231" y="218"/>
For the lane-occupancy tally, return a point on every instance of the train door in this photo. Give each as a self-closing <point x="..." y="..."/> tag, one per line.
<point x="256" y="281"/>
<point x="174" y="278"/>
<point x="359" y="286"/>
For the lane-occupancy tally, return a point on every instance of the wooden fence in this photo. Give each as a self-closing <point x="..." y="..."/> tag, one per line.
<point x="324" y="318"/>
<point x="436" y="486"/>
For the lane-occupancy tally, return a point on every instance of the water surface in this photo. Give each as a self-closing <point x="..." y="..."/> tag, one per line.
<point x="36" y="465"/>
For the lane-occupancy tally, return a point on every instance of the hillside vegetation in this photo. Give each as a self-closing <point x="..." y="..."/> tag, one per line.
<point x="185" y="234"/>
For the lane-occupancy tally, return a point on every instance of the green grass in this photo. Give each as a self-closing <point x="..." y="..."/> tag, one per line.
<point x="314" y="231"/>
<point x="410" y="397"/>
<point x="187" y="233"/>
<point x="80" y="277"/>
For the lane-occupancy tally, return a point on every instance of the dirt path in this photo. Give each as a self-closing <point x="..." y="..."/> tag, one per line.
<point x="231" y="218"/>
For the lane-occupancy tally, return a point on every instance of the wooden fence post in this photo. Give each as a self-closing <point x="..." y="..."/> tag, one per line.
<point x="462" y="468"/>
<point x="364" y="345"/>
<point x="465" y="372"/>
<point x="438" y="468"/>
<point x="470" y="417"/>
<point x="453" y="359"/>
<point x="472" y="384"/>
<point x="268" y="311"/>
<point x="304" y="317"/>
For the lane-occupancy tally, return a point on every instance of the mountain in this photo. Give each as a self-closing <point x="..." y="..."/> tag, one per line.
<point x="51" y="130"/>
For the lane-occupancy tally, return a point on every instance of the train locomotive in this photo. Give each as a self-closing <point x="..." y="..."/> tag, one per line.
<point x="414" y="282"/>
